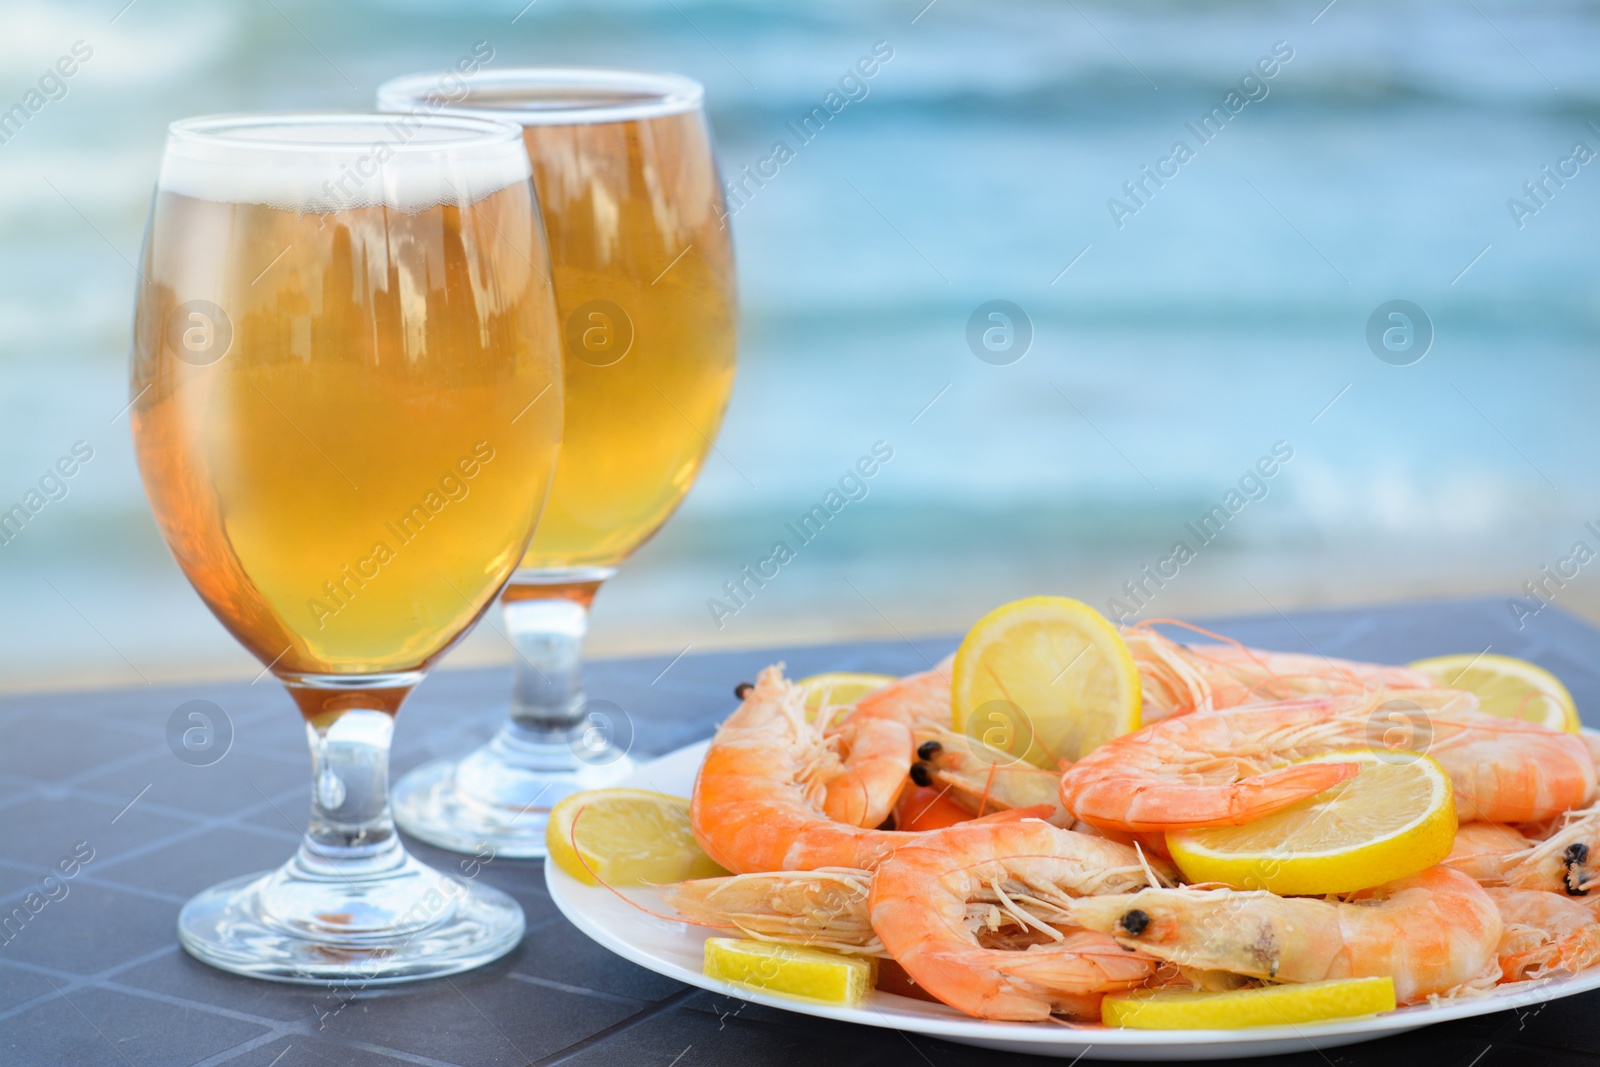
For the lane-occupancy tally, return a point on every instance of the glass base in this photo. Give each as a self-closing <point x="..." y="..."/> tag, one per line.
<point x="501" y="795"/>
<point x="307" y="923"/>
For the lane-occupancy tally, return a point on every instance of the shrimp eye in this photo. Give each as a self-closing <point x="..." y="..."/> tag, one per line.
<point x="1576" y="855"/>
<point x="1134" y="922"/>
<point x="929" y="749"/>
<point x="920" y="775"/>
<point x="742" y="689"/>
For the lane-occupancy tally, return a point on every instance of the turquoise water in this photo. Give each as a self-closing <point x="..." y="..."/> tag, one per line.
<point x="1227" y="312"/>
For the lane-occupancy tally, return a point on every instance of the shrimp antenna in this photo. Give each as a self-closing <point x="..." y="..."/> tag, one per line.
<point x="930" y="803"/>
<point x="572" y="836"/>
<point x="1144" y="864"/>
<point x="988" y="787"/>
<point x="1149" y="625"/>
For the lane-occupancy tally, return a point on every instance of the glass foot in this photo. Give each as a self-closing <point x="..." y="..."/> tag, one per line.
<point x="307" y="922"/>
<point x="501" y="795"/>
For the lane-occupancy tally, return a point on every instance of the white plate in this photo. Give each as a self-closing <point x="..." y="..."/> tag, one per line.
<point x="676" y="950"/>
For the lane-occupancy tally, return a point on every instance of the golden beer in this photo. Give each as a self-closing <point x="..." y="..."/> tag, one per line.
<point x="646" y="295"/>
<point x="346" y="407"/>
<point x="351" y="481"/>
<point x="642" y="265"/>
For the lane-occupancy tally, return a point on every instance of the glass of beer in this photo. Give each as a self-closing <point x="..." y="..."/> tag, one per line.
<point x="346" y="408"/>
<point x="642" y="262"/>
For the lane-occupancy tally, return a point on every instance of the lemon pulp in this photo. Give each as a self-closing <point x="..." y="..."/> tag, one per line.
<point x="1395" y="818"/>
<point x="1045" y="678"/>
<point x="626" y="837"/>
<point x="1508" y="687"/>
<point x="813" y="973"/>
<point x="1279" y="1005"/>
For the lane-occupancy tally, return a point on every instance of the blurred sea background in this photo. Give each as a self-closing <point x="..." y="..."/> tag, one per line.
<point x="1227" y="314"/>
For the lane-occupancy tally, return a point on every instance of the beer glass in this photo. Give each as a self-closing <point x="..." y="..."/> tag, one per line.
<point x="643" y="268"/>
<point x="346" y="408"/>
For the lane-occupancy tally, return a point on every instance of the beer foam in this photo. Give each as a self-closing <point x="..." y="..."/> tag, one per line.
<point x="316" y="163"/>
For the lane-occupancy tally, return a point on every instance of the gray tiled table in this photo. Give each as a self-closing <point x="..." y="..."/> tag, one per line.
<point x="95" y="976"/>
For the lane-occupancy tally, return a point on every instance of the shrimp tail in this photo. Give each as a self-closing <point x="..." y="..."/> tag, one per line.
<point x="1087" y="961"/>
<point x="1263" y="794"/>
<point x="948" y="976"/>
<point x="1106" y="802"/>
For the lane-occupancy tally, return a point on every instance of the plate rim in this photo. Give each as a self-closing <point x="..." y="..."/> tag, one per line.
<point x="568" y="894"/>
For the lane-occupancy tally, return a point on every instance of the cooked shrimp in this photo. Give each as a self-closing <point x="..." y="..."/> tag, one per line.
<point x="828" y="907"/>
<point x="825" y="908"/>
<point x="1566" y="860"/>
<point x="873" y="744"/>
<point x="922" y="899"/>
<point x="758" y="801"/>
<point x="926" y="807"/>
<point x="1482" y="851"/>
<point x="1545" y="934"/>
<point x="1434" y="932"/>
<point x="979" y="777"/>
<point x="1226" y="768"/>
<point x="1176" y="679"/>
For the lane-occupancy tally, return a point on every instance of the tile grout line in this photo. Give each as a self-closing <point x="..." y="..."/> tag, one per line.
<point x="276" y="1028"/>
<point x="77" y="981"/>
<point x="243" y="1048"/>
<point x="231" y="821"/>
<point x="622" y="1026"/>
<point x="582" y="991"/>
<point x="75" y="781"/>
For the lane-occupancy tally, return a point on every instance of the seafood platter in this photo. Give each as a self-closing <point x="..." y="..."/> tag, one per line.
<point x="1073" y="838"/>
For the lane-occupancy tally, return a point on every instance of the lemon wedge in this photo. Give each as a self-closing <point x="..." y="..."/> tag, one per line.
<point x="839" y="687"/>
<point x="813" y="973"/>
<point x="626" y="837"/>
<point x="1508" y="687"/>
<point x="1045" y="678"/>
<point x="1279" y="1005"/>
<point x="1395" y="818"/>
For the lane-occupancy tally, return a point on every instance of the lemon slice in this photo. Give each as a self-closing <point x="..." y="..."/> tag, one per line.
<point x="1046" y="679"/>
<point x="1508" y="687"/>
<point x="1279" y="1005"/>
<point x="626" y="837"/>
<point x="839" y="687"/>
<point x="812" y="973"/>
<point x="1397" y="817"/>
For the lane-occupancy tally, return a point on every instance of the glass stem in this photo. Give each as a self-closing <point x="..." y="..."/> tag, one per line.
<point x="351" y="833"/>
<point x="547" y="623"/>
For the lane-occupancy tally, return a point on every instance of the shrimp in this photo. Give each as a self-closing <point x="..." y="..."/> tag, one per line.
<point x="824" y="908"/>
<point x="1591" y="737"/>
<point x="874" y="743"/>
<point x="1230" y="767"/>
<point x="1482" y="851"/>
<point x="1177" y="679"/>
<point x="828" y="907"/>
<point x="1566" y="861"/>
<point x="759" y="799"/>
<point x="1545" y="934"/>
<point x="1012" y="960"/>
<point x="979" y="777"/>
<point x="1434" y="933"/>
